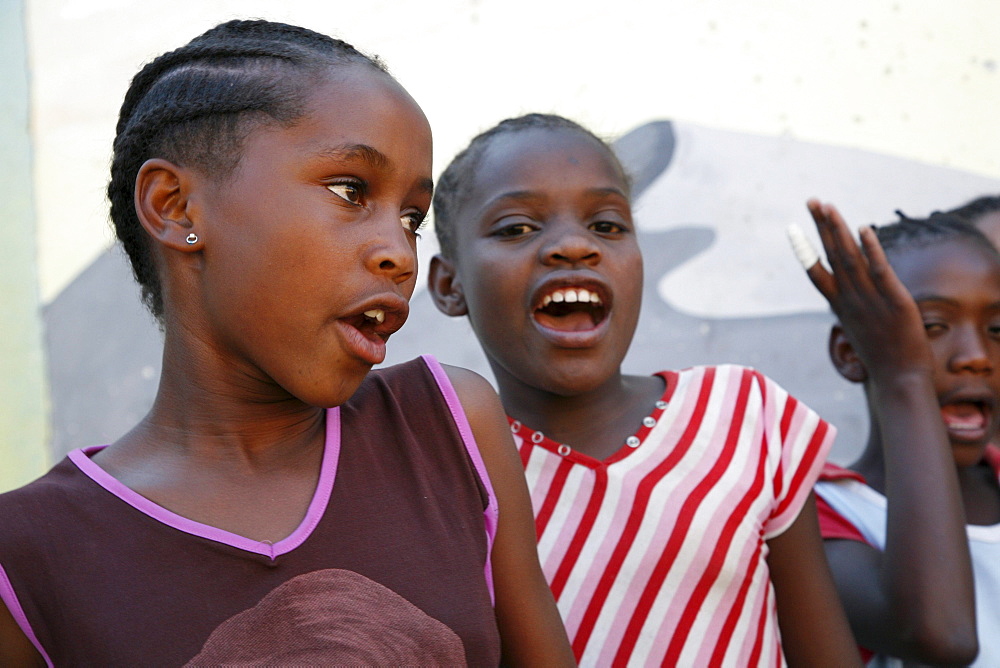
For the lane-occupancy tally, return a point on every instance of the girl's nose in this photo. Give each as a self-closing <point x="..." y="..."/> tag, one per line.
<point x="391" y="252"/>
<point x="570" y="243"/>
<point x="971" y="352"/>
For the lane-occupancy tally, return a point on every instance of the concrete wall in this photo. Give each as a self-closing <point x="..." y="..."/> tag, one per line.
<point x="23" y="454"/>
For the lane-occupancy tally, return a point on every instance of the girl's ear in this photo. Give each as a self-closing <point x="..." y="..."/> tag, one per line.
<point x="445" y="288"/>
<point x="162" y="198"/>
<point x="844" y="359"/>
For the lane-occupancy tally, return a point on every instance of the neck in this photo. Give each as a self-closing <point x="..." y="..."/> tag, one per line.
<point x="595" y="422"/>
<point x="206" y="410"/>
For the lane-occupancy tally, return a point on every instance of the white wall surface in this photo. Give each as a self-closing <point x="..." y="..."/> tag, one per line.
<point x="917" y="79"/>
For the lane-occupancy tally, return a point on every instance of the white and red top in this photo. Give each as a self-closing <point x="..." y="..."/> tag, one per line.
<point x="657" y="555"/>
<point x="851" y="510"/>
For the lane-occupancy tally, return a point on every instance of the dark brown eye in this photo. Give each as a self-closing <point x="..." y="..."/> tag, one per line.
<point x="347" y="191"/>
<point x="607" y="227"/>
<point x="515" y="230"/>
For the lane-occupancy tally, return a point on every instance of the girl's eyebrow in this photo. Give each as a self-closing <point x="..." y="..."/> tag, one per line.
<point x="534" y="195"/>
<point x="931" y="297"/>
<point x="369" y="155"/>
<point x="363" y="152"/>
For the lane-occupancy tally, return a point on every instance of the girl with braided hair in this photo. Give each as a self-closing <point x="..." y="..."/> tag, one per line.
<point x="281" y="503"/>
<point x="912" y="527"/>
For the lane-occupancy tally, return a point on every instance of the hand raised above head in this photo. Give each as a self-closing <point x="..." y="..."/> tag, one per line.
<point x="878" y="315"/>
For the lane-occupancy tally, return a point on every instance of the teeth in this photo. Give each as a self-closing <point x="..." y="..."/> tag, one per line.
<point x="376" y="314"/>
<point x="571" y="295"/>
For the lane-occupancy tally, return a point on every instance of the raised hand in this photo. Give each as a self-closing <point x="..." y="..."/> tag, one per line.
<point x="877" y="313"/>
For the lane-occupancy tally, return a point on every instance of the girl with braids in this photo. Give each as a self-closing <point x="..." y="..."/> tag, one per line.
<point x="280" y="504"/>
<point x="912" y="528"/>
<point x="673" y="511"/>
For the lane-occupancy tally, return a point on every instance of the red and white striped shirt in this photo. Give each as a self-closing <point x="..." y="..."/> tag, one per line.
<point x="656" y="555"/>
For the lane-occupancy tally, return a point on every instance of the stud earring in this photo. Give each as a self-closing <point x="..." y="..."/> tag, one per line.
<point x="192" y="238"/>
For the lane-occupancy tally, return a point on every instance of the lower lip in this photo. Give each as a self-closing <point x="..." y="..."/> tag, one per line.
<point x="371" y="351"/>
<point x="585" y="338"/>
<point x="967" y="434"/>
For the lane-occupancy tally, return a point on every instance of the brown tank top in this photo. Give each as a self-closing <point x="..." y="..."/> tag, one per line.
<point x="390" y="565"/>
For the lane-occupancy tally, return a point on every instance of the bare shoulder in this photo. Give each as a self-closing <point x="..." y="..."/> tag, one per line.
<point x="480" y="402"/>
<point x="470" y="386"/>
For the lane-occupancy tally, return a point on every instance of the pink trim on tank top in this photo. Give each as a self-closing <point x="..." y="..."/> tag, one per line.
<point x="9" y="598"/>
<point x="317" y="507"/>
<point x="491" y="513"/>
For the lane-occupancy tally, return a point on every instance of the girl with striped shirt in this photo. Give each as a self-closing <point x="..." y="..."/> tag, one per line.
<point x="673" y="511"/>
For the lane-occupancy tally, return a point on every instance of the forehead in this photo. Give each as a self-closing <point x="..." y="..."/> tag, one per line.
<point x="544" y="159"/>
<point x="989" y="224"/>
<point x="955" y="268"/>
<point x="358" y="104"/>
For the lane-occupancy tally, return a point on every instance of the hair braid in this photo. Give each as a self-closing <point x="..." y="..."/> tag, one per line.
<point x="909" y="233"/>
<point x="196" y="105"/>
<point x="977" y="208"/>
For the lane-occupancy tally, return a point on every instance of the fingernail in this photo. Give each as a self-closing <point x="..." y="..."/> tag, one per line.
<point x="803" y="248"/>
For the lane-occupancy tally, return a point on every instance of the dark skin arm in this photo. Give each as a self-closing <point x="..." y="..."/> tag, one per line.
<point x="15" y="648"/>
<point x="814" y="629"/>
<point x="915" y="600"/>
<point x="531" y="630"/>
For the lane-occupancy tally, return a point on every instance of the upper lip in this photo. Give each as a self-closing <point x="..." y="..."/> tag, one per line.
<point x="969" y="395"/>
<point x="395" y="308"/>
<point x="563" y="281"/>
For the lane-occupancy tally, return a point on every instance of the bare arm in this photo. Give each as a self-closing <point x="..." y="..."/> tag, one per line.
<point x="15" y="648"/>
<point x="814" y="628"/>
<point x="531" y="631"/>
<point x="915" y="600"/>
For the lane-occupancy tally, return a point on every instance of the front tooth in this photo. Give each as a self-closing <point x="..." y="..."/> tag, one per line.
<point x="595" y="298"/>
<point x="571" y="296"/>
<point x="583" y="295"/>
<point x="546" y="301"/>
<point x="381" y="316"/>
<point x="377" y="314"/>
<point x="558" y="296"/>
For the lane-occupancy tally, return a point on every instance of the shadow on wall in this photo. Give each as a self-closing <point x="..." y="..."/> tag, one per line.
<point x="721" y="284"/>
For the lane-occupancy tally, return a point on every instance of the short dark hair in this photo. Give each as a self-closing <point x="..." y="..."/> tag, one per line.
<point x="196" y="105"/>
<point x="453" y="185"/>
<point x="977" y="208"/>
<point x="918" y="232"/>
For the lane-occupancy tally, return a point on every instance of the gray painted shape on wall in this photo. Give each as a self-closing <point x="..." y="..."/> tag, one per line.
<point x="104" y="355"/>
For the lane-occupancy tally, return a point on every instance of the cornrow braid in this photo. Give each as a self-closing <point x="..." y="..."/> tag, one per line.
<point x="455" y="182"/>
<point x="196" y="105"/>
<point x="919" y="232"/>
<point x="977" y="208"/>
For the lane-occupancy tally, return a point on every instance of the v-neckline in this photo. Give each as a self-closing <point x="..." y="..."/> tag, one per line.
<point x="82" y="458"/>
<point x="630" y="445"/>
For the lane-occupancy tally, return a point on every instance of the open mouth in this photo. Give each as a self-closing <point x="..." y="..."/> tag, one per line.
<point x="571" y="309"/>
<point x="967" y="420"/>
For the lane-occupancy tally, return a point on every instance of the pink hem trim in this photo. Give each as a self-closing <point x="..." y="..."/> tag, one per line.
<point x="9" y="598"/>
<point x="317" y="507"/>
<point x="491" y="513"/>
